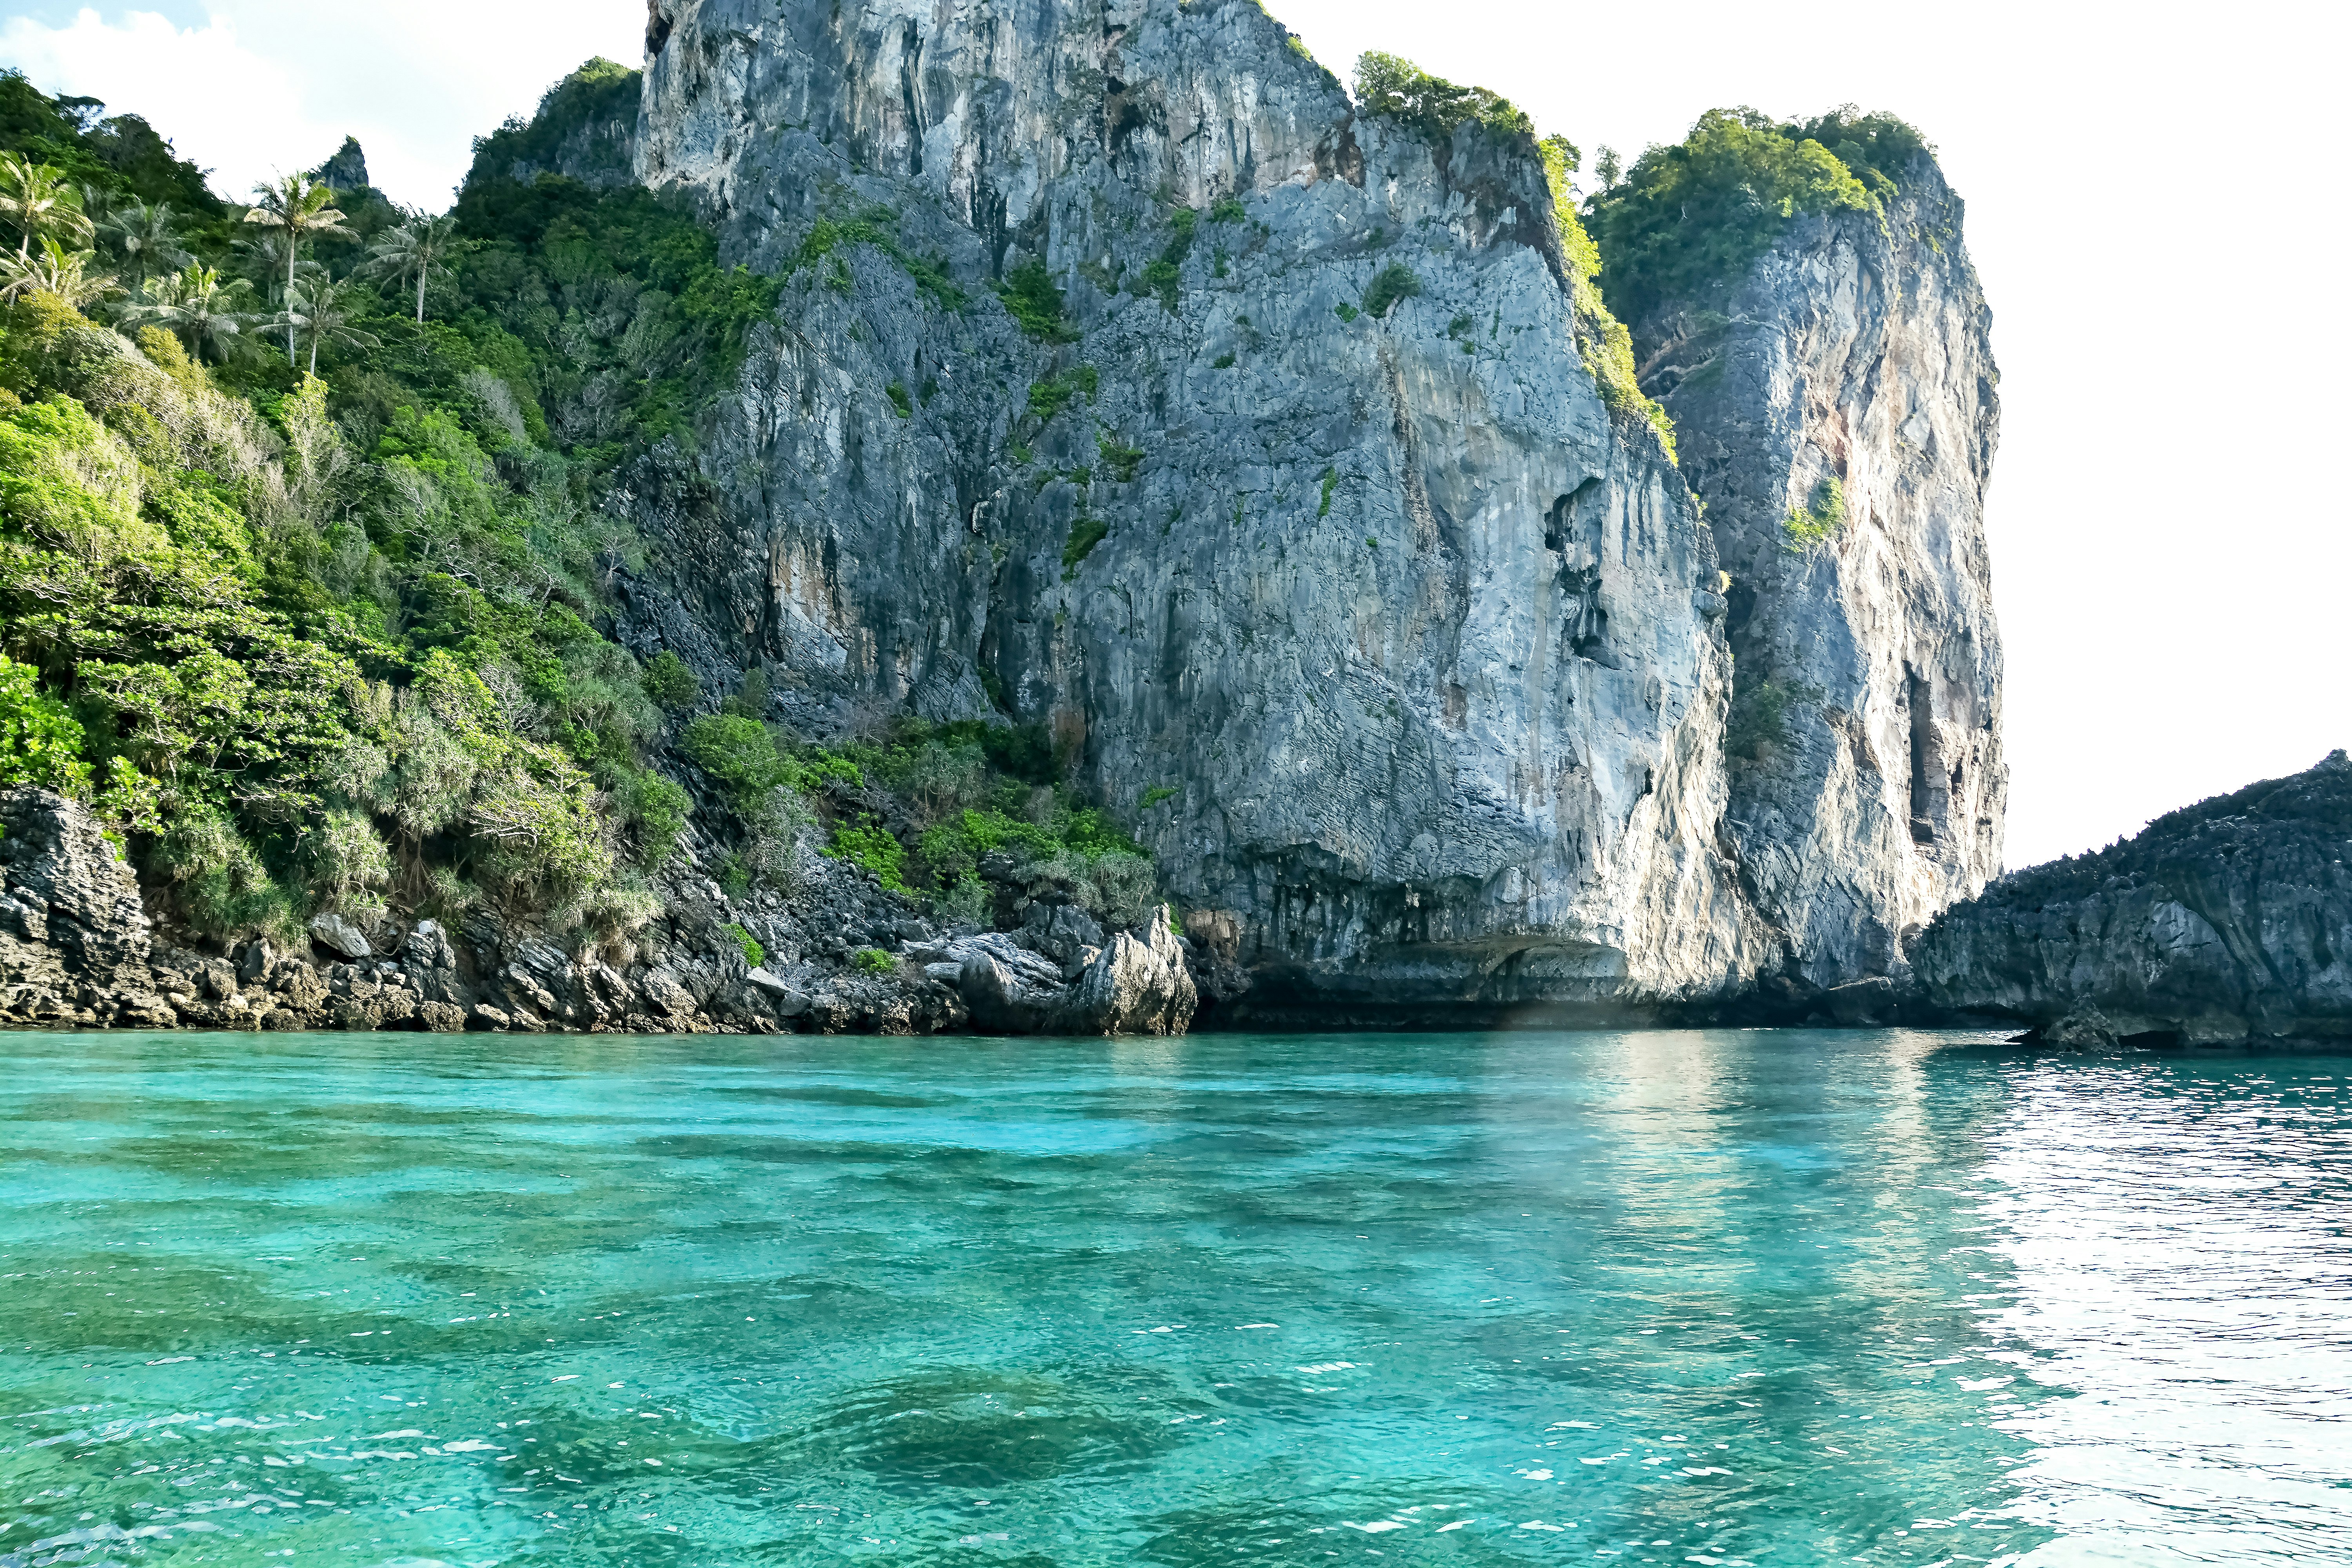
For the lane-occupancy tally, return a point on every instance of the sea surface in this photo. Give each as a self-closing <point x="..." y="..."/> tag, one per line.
<point x="1719" y="1297"/>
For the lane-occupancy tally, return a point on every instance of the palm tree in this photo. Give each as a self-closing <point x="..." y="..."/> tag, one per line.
<point x="315" y="308"/>
<point x="36" y="199"/>
<point x="199" y="306"/>
<point x="54" y="271"/>
<point x="149" y="239"/>
<point x="262" y="254"/>
<point x="415" y="248"/>
<point x="299" y="208"/>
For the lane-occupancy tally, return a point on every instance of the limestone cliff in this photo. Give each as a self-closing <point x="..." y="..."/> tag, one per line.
<point x="1836" y="413"/>
<point x="2227" y="920"/>
<point x="1426" y="643"/>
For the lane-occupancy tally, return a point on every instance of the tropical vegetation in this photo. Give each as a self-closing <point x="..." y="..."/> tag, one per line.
<point x="303" y="549"/>
<point x="300" y="554"/>
<point x="1700" y="211"/>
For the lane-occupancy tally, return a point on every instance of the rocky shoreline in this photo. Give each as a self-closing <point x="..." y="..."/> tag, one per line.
<point x="2227" y="923"/>
<point x="79" y="949"/>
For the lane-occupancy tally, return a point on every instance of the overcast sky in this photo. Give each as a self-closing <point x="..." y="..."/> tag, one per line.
<point x="2155" y="204"/>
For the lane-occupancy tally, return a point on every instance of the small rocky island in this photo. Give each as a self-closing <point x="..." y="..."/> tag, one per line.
<point x="2228" y="920"/>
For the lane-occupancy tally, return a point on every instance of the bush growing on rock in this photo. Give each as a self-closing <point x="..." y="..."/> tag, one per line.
<point x="40" y="742"/>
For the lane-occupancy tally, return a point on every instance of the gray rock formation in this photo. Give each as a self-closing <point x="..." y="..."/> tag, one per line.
<point x="1039" y="980"/>
<point x="75" y="939"/>
<point x="78" y="949"/>
<point x="347" y="170"/>
<point x="1428" y="644"/>
<point x="1139" y="985"/>
<point x="1867" y="786"/>
<point x="2229" y="921"/>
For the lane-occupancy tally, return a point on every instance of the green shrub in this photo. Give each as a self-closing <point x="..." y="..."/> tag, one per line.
<point x="1346" y="312"/>
<point x="1084" y="534"/>
<point x="1604" y="342"/>
<point x="1158" y="793"/>
<point x="953" y="849"/>
<point x="754" y="955"/>
<point x="871" y="846"/>
<point x="40" y="742"/>
<point x="1387" y="85"/>
<point x="1758" y="720"/>
<point x="966" y="903"/>
<point x="741" y="756"/>
<point x="904" y="405"/>
<point x="223" y="888"/>
<point x="1701" y="211"/>
<point x="1032" y="299"/>
<point x="878" y="226"/>
<point x="873" y="960"/>
<point x="670" y="681"/>
<point x="1227" y="209"/>
<point x="346" y="856"/>
<point x="655" y="810"/>
<point x="1048" y="397"/>
<point x="1330" y="483"/>
<point x="1122" y="461"/>
<point x="1222" y="362"/>
<point x="1396" y="281"/>
<point x="737" y="752"/>
<point x="1820" y="520"/>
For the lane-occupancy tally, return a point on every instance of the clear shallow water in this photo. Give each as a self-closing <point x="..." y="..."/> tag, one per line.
<point x="1769" y="1297"/>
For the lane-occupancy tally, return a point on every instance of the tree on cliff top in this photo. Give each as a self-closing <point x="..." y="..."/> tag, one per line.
<point x="1386" y="84"/>
<point x="1701" y="211"/>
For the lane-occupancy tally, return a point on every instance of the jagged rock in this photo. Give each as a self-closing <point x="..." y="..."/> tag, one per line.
<point x="1063" y="932"/>
<point x="1213" y="953"/>
<point x="336" y="934"/>
<point x="2083" y="1029"/>
<point x="432" y="965"/>
<point x="485" y="1016"/>
<point x="259" y="959"/>
<point x="302" y="987"/>
<point x="669" y="1001"/>
<point x="1139" y="985"/>
<point x="784" y="1000"/>
<point x="347" y="170"/>
<point x="441" y="1017"/>
<point x="2228" y="920"/>
<point x="1868" y="788"/>
<point x="1009" y="989"/>
<point x="71" y="924"/>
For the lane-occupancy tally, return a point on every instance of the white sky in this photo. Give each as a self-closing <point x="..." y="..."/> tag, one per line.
<point x="2153" y="199"/>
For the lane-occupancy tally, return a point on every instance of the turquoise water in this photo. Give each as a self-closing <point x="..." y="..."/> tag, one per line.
<point x="1779" y="1298"/>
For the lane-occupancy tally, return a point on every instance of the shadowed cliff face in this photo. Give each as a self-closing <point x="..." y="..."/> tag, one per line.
<point x="1850" y="372"/>
<point x="1428" y="647"/>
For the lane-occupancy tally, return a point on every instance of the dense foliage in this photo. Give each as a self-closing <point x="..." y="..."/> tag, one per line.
<point x="1700" y="211"/>
<point x="326" y="640"/>
<point x="1606" y="345"/>
<point x="1398" y="89"/>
